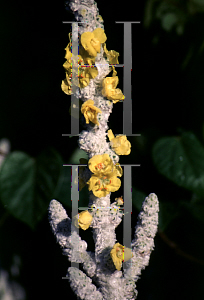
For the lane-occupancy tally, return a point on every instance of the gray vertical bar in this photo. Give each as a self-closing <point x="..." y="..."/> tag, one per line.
<point x="127" y="230"/>
<point x="74" y="198"/>
<point x="127" y="87"/>
<point x="74" y="99"/>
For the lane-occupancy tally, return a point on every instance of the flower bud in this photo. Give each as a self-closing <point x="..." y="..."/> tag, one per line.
<point x="83" y="220"/>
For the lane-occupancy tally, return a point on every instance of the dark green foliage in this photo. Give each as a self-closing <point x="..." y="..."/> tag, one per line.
<point x="28" y="184"/>
<point x="181" y="159"/>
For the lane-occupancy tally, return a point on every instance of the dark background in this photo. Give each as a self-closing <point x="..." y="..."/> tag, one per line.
<point x="167" y="98"/>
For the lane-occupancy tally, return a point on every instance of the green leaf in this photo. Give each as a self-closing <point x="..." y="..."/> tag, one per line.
<point x="169" y="20"/>
<point x="199" y="2"/>
<point x="27" y="185"/>
<point x="182" y="161"/>
<point x="78" y="153"/>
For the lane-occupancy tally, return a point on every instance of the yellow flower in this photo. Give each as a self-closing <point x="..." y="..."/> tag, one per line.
<point x="86" y="75"/>
<point x="119" y="201"/>
<point x="102" y="185"/>
<point x="109" y="89"/>
<point x="91" y="41"/>
<point x="120" y="144"/>
<point x="66" y="85"/>
<point x="87" y="59"/>
<point x="120" y="254"/>
<point x="112" y="55"/>
<point x="68" y="54"/>
<point x="104" y="180"/>
<point x="83" y="220"/>
<point x="103" y="164"/>
<point x="67" y="66"/>
<point x="90" y="111"/>
<point x="69" y="57"/>
<point x="84" y="78"/>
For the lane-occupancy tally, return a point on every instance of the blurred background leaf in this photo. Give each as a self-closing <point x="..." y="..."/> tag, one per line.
<point x="27" y="184"/>
<point x="77" y="154"/>
<point x="181" y="159"/>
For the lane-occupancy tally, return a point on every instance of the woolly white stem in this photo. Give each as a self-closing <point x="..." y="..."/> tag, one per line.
<point x="143" y="242"/>
<point x="72" y="246"/>
<point x="110" y="284"/>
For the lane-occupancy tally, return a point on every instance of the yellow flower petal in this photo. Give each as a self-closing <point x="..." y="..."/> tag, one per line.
<point x="111" y="55"/>
<point x="112" y="81"/>
<point x="96" y="44"/>
<point x="90" y="111"/>
<point x="100" y="194"/>
<point x="83" y="220"/>
<point x="93" y="183"/>
<point x="110" y="135"/>
<point x="100" y="35"/>
<point x="115" y="94"/>
<point x="87" y="74"/>
<point x="118" y="169"/>
<point x="105" y="49"/>
<point x="66" y="88"/>
<point x="86" y="38"/>
<point x="67" y="66"/>
<point x="68" y="54"/>
<point x="117" y="260"/>
<point x="109" y="89"/>
<point x="121" y="145"/>
<point x="68" y="48"/>
<point x="114" y="71"/>
<point x="91" y="41"/>
<point x="119" y="201"/>
<point x="92" y="72"/>
<point x="119" y="254"/>
<point x="102" y="164"/>
<point x="127" y="254"/>
<point x="83" y="80"/>
<point x="87" y="59"/>
<point x="114" y="185"/>
<point x="94" y="186"/>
